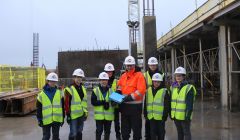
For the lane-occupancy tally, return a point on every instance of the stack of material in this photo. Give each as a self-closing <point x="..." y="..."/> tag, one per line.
<point x="18" y="102"/>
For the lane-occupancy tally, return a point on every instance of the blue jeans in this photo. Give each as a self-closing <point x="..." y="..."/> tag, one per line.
<point x="47" y="131"/>
<point x="76" y="126"/>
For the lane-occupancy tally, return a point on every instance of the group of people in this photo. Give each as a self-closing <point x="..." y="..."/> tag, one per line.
<point x="144" y="94"/>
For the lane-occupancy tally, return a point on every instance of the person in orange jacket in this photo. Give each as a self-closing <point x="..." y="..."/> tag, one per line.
<point x="131" y="84"/>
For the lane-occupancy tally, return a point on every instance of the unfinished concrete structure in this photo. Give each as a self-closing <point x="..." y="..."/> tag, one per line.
<point x="92" y="62"/>
<point x="149" y="31"/>
<point x="207" y="44"/>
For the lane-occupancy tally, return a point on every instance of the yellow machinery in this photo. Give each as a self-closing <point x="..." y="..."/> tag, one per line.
<point x="20" y="78"/>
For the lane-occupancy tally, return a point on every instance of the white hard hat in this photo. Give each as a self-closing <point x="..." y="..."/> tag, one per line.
<point x="129" y="60"/>
<point x="157" y="77"/>
<point x="103" y="76"/>
<point x="52" y="77"/>
<point x="152" y="61"/>
<point x="78" y="72"/>
<point x="180" y="70"/>
<point x="109" y="67"/>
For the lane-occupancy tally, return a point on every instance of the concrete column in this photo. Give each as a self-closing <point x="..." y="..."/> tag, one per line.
<point x="201" y="65"/>
<point x="134" y="51"/>
<point x="149" y="39"/>
<point x="223" y="66"/>
<point x="173" y="61"/>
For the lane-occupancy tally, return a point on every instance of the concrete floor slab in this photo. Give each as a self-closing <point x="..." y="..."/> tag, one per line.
<point x="209" y="123"/>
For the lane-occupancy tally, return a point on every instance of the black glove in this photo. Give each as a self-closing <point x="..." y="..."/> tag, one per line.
<point x="102" y="102"/>
<point x="119" y="91"/>
<point x="145" y="114"/>
<point x="114" y="103"/>
<point x="127" y="98"/>
<point x="188" y="116"/>
<point x="106" y="105"/>
<point x="62" y="124"/>
<point x="40" y="123"/>
<point x="84" y="117"/>
<point x="68" y="119"/>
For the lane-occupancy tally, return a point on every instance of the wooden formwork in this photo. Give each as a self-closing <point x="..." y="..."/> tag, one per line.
<point x="19" y="103"/>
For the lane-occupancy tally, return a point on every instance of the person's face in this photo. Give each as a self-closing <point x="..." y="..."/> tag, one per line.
<point x="156" y="84"/>
<point x="104" y="83"/>
<point x="130" y="67"/>
<point x="152" y="67"/>
<point x="77" y="80"/>
<point x="52" y="83"/>
<point x="110" y="73"/>
<point x="179" y="77"/>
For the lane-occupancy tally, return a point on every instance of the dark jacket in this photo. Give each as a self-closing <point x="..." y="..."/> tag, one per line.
<point x="111" y="79"/>
<point x="151" y="73"/>
<point x="189" y="98"/>
<point x="48" y="90"/>
<point x="167" y="103"/>
<point x="68" y="97"/>
<point x="94" y="100"/>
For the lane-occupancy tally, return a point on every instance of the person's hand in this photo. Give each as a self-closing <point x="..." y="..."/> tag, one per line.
<point x="40" y="123"/>
<point x="114" y="103"/>
<point x="62" y="124"/>
<point x="68" y="119"/>
<point x="127" y="98"/>
<point x="106" y="105"/>
<point x="103" y="102"/>
<point x="85" y="115"/>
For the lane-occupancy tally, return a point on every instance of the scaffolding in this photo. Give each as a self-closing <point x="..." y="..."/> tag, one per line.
<point x="21" y="78"/>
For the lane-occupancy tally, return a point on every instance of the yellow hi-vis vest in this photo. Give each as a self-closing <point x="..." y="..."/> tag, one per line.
<point x="178" y="101"/>
<point x="149" y="79"/>
<point x="78" y="106"/>
<point x="155" y="105"/>
<point x="114" y="85"/>
<point x="51" y="111"/>
<point x="99" y="112"/>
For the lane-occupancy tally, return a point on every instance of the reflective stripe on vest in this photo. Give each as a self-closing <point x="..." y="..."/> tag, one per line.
<point x="78" y="106"/>
<point x="99" y="112"/>
<point x="178" y="101"/>
<point x="148" y="79"/>
<point x="155" y="105"/>
<point x="51" y="111"/>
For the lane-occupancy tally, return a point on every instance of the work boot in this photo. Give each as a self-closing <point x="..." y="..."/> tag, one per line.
<point x="106" y="136"/>
<point x="79" y="136"/>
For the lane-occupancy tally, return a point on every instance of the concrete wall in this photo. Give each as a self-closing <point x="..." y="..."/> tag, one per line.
<point x="149" y="39"/>
<point x="92" y="62"/>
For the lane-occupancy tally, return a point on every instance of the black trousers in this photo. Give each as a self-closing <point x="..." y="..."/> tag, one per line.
<point x="147" y="130"/>
<point x="183" y="129"/>
<point x="47" y="131"/>
<point x="157" y="129"/>
<point x="103" y="125"/>
<point x="131" y="119"/>
<point x="116" y="122"/>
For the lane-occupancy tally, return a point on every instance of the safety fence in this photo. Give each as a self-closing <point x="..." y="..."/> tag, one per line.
<point x="21" y="78"/>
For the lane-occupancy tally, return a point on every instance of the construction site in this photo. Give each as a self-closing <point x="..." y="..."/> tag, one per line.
<point x="206" y="43"/>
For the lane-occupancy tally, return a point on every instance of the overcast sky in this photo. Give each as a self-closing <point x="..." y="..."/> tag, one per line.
<point x="74" y="24"/>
